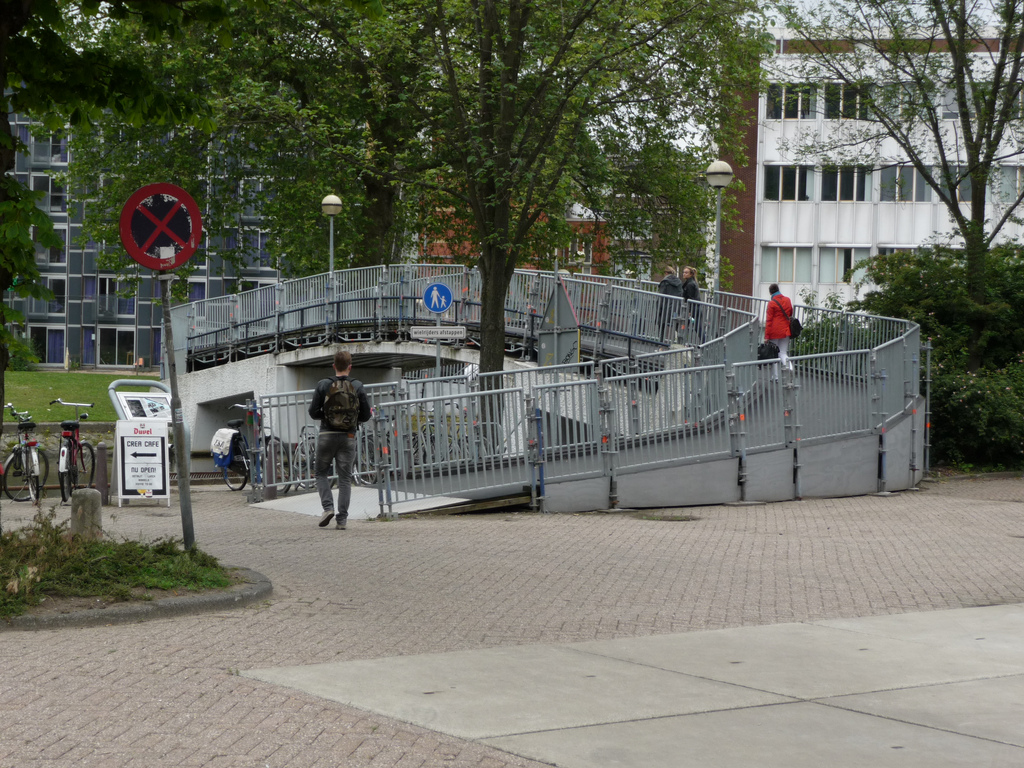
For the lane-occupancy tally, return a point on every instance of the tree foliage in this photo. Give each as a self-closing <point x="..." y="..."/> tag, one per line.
<point x="976" y="413"/>
<point x="934" y="85"/>
<point x="304" y="103"/>
<point x="43" y="73"/>
<point x="446" y="121"/>
<point x="535" y="100"/>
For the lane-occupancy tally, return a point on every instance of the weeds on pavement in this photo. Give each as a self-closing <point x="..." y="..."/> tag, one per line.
<point x="44" y="559"/>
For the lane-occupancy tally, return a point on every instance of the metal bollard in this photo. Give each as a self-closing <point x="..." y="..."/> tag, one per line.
<point x="102" y="479"/>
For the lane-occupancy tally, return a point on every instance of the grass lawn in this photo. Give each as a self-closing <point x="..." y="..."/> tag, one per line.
<point x="32" y="391"/>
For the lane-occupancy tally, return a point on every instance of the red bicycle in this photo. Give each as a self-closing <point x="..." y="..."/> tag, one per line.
<point x="77" y="463"/>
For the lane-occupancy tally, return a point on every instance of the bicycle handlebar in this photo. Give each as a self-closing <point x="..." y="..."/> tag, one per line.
<point x="19" y="415"/>
<point x="58" y="401"/>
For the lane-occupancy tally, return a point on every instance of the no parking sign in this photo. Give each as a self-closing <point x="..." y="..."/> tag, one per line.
<point x="161" y="226"/>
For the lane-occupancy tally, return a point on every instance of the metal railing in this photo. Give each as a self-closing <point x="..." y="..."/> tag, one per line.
<point x="616" y="317"/>
<point x="670" y="384"/>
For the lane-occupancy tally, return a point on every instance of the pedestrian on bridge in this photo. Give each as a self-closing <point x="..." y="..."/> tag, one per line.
<point x="776" y="327"/>
<point x="341" y="405"/>
<point x="670" y="285"/>
<point x="691" y="293"/>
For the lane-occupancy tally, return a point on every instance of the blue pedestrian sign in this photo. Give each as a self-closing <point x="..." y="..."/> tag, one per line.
<point x="437" y="297"/>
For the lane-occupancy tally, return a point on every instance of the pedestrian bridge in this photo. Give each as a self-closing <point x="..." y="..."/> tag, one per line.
<point x="659" y="404"/>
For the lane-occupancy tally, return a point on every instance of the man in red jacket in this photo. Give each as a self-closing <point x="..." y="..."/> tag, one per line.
<point x="776" y="326"/>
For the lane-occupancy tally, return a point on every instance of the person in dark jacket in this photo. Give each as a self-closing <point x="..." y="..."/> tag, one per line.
<point x="691" y="292"/>
<point x="334" y="446"/>
<point x="776" y="326"/>
<point x="670" y="285"/>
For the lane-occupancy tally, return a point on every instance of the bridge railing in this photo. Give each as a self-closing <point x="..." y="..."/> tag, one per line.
<point x="616" y="317"/>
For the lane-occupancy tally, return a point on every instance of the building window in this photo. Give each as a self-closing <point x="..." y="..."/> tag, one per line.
<point x="117" y="347"/>
<point x="157" y="356"/>
<point x="785" y="264"/>
<point x="88" y="346"/>
<point x="792" y="102"/>
<point x="196" y="291"/>
<point x="53" y="198"/>
<point x="787" y="182"/>
<point x="59" y="253"/>
<point x="59" y="301"/>
<point x="834" y="264"/>
<point x="948" y="105"/>
<point x="256" y="245"/>
<point x="110" y="300"/>
<point x="51" y="342"/>
<point x="888" y="250"/>
<point x="963" y="187"/>
<point x="1012" y="182"/>
<point x="903" y="183"/>
<point x="846" y="102"/>
<point x="89" y="287"/>
<point x="846" y="184"/>
<point x="58" y="149"/>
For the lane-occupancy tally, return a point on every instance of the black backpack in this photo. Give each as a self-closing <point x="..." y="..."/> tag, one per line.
<point x="341" y="406"/>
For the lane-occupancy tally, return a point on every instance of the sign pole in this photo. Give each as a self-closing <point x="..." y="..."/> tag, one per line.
<point x="181" y="456"/>
<point x="437" y="352"/>
<point x="161" y="227"/>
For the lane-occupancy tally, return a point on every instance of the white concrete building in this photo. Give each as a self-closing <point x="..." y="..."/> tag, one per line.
<point x="815" y="216"/>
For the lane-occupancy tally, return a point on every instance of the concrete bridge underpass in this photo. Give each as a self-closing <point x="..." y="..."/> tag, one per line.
<point x="666" y="405"/>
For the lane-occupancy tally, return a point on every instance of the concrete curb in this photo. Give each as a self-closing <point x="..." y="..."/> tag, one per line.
<point x="255" y="586"/>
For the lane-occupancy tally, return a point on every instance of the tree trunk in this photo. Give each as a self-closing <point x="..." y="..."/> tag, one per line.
<point x="495" y="277"/>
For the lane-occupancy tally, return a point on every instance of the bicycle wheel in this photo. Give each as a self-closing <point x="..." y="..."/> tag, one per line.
<point x="278" y="465"/>
<point x="302" y="464"/>
<point x="363" y="473"/>
<point x="86" y="466"/>
<point x="68" y="481"/>
<point x="236" y="474"/>
<point x="17" y="482"/>
<point x="39" y="478"/>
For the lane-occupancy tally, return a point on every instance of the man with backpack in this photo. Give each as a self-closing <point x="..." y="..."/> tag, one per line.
<point x="341" y="405"/>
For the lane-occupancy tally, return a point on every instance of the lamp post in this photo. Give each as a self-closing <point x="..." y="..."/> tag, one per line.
<point x="331" y="207"/>
<point x="719" y="174"/>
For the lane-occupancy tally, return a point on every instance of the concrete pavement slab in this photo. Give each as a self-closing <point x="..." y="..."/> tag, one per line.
<point x="988" y="709"/>
<point x="364" y="504"/>
<point x="802" y="660"/>
<point x="477" y="694"/>
<point x="802" y="735"/>
<point x="993" y="631"/>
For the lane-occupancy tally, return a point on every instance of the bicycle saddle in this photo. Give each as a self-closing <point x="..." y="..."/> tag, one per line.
<point x="69" y="425"/>
<point x="26" y="426"/>
<point x="235" y="423"/>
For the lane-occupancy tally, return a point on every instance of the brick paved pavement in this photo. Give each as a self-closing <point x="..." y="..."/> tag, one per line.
<point x="166" y="693"/>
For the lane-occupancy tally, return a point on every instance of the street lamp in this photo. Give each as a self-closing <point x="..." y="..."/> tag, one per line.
<point x="331" y="207"/>
<point x="719" y="174"/>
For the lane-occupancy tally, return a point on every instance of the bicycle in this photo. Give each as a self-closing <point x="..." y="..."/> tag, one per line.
<point x="303" y="460"/>
<point x="77" y="462"/>
<point x="26" y="469"/>
<point x="242" y="466"/>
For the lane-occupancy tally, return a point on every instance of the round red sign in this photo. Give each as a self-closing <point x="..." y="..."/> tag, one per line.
<point x="161" y="226"/>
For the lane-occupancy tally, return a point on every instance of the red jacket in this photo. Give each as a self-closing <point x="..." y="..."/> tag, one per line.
<point x="776" y="324"/>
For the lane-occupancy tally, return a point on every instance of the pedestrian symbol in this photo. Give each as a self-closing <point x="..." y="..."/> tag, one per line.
<point x="437" y="297"/>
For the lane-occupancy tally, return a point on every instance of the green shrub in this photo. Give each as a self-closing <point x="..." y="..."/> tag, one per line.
<point x="24" y="355"/>
<point x="978" y="418"/>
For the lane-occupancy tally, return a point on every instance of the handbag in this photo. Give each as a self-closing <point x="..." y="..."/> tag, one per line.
<point x="795" y="327"/>
<point x="767" y="350"/>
